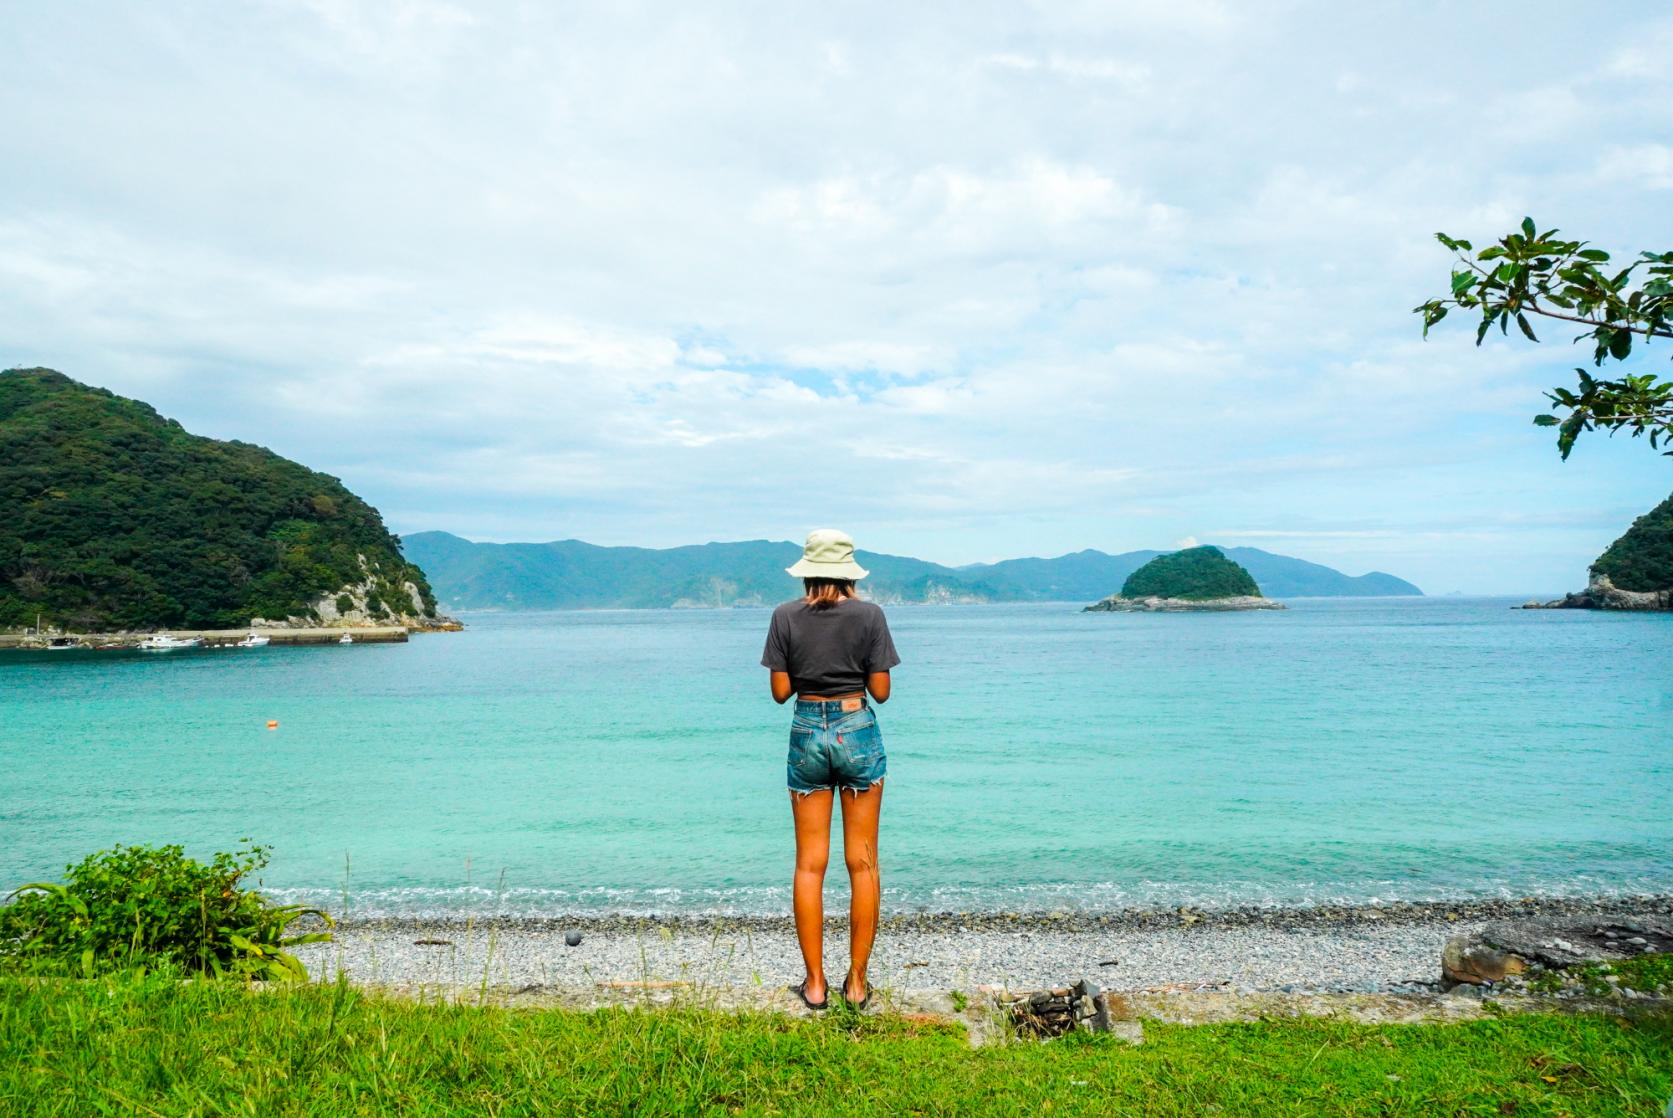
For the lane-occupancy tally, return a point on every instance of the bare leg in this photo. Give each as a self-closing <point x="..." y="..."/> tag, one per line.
<point x="860" y="812"/>
<point x="812" y="814"/>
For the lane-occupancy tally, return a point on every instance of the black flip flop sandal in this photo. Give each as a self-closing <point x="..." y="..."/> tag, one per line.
<point x="800" y="990"/>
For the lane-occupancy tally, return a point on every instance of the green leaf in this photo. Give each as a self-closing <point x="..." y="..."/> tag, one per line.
<point x="1620" y="345"/>
<point x="1528" y="228"/>
<point x="1527" y="330"/>
<point x="1594" y="254"/>
<point x="1546" y="421"/>
<point x="1491" y="252"/>
<point x="1569" y="431"/>
<point x="1461" y="282"/>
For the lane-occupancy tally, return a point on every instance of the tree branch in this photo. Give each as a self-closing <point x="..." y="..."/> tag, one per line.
<point x="1647" y="331"/>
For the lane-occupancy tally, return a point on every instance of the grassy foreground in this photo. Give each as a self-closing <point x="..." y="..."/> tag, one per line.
<point x="151" y="1045"/>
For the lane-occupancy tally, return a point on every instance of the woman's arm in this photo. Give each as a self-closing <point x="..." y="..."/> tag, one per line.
<point x="780" y="684"/>
<point x="878" y="684"/>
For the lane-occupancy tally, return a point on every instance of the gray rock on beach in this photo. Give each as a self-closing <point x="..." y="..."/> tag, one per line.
<point x="1508" y="948"/>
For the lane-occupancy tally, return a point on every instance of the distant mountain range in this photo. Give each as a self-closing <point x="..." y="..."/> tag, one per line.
<point x="571" y="574"/>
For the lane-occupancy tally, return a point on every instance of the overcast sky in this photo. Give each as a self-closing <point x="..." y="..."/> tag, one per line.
<point x="973" y="281"/>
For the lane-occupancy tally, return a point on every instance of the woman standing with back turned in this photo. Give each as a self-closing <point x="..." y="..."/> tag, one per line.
<point x="829" y="648"/>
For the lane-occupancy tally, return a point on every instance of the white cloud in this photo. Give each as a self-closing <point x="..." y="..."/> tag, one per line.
<point x="1032" y="278"/>
<point x="1644" y="54"/>
<point x="958" y="209"/>
<point x="1133" y="76"/>
<point x="1649" y="166"/>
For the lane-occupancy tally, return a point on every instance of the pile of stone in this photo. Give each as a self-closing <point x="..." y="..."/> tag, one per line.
<point x="1060" y="1010"/>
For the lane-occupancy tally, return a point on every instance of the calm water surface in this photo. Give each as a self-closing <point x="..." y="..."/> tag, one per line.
<point x="1039" y="758"/>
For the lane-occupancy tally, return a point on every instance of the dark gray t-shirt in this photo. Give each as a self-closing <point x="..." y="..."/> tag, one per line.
<point x="829" y="651"/>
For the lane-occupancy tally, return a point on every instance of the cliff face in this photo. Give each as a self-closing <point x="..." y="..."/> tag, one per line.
<point x="113" y="517"/>
<point x="374" y="600"/>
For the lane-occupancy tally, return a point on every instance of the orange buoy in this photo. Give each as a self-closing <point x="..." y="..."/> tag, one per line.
<point x="272" y="723"/>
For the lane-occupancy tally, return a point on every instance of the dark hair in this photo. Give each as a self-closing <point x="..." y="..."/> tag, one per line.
<point x="823" y="593"/>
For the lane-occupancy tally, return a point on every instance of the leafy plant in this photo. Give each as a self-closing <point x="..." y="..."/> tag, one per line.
<point x="1527" y="272"/>
<point x="150" y="905"/>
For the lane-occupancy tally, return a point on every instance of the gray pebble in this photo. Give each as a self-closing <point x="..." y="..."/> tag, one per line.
<point x="1277" y="949"/>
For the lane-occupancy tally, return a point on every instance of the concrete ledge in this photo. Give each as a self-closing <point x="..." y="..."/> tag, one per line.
<point x="212" y="638"/>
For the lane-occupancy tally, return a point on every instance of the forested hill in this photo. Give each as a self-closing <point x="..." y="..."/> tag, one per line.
<point x="113" y="517"/>
<point x="570" y="574"/>
<point x="1642" y="559"/>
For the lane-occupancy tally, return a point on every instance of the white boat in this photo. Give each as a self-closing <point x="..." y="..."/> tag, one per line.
<point x="346" y="639"/>
<point x="162" y="642"/>
<point x="254" y="640"/>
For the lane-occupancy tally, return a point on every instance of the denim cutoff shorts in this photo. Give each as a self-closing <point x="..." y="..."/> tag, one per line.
<point x="833" y="749"/>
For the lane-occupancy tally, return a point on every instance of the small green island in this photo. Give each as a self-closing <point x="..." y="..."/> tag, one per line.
<point x="1198" y="579"/>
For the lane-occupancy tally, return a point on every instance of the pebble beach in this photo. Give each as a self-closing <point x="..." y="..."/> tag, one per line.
<point x="1351" y="949"/>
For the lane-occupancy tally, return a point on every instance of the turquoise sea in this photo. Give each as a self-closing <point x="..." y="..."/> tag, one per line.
<point x="1040" y="758"/>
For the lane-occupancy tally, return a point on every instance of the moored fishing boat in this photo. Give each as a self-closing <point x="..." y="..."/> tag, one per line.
<point x="254" y="640"/>
<point x="162" y="642"/>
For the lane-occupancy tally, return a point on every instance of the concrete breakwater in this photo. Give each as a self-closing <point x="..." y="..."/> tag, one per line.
<point x="212" y="638"/>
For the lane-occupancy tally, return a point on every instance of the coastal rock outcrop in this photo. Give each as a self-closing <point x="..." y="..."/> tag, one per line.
<point x="1196" y="579"/>
<point x="371" y="602"/>
<point x="1601" y="593"/>
<point x="1514" y="947"/>
<point x="1634" y="573"/>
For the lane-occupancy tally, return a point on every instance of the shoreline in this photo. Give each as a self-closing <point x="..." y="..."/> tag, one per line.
<point x="1363" y="949"/>
<point x="1300" y="917"/>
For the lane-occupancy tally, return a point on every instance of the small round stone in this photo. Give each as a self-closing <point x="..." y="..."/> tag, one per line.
<point x="572" y="938"/>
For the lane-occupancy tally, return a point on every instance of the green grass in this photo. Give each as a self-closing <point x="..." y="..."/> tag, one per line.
<point x="151" y="1045"/>
<point x="1643" y="973"/>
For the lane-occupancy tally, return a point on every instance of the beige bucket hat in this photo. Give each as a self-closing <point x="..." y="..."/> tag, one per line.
<point x="828" y="553"/>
